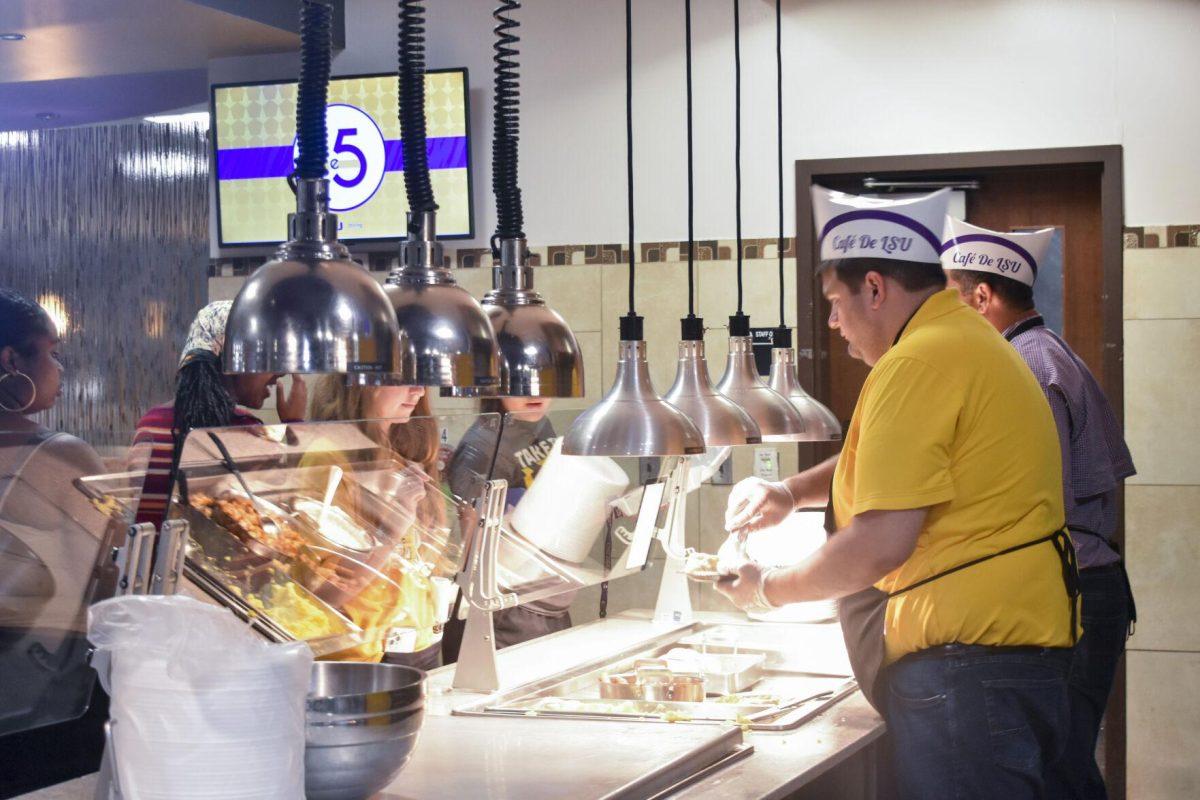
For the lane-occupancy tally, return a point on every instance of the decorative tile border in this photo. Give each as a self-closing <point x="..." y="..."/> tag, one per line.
<point x="559" y="255"/>
<point x="556" y="255"/>
<point x="1150" y="237"/>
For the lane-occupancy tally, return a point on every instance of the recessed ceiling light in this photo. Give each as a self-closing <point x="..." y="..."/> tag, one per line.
<point x="46" y="116"/>
<point x="11" y="37"/>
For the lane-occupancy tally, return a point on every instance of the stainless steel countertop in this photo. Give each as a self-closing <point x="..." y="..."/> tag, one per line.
<point x="781" y="762"/>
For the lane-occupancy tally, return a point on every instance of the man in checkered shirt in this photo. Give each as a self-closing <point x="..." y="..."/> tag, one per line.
<point x="994" y="273"/>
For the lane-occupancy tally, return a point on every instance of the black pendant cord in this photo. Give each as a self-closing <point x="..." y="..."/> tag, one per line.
<point x="510" y="218"/>
<point x="316" y="45"/>
<point x="631" y="323"/>
<point x="779" y="143"/>
<point x="691" y="177"/>
<point x="629" y="143"/>
<point x="737" y="142"/>
<point x="412" y="112"/>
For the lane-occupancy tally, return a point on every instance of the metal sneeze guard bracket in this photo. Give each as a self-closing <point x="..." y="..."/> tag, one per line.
<point x="674" y="603"/>
<point x="476" y="668"/>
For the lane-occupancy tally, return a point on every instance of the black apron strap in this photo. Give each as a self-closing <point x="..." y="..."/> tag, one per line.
<point x="1124" y="572"/>
<point x="1066" y="556"/>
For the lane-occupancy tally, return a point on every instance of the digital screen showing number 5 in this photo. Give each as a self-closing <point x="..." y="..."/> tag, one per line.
<point x="357" y="156"/>
<point x="341" y="146"/>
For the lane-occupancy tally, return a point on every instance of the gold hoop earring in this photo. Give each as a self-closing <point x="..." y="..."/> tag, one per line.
<point x="32" y="391"/>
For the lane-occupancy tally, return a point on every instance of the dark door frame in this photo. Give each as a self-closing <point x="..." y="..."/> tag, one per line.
<point x="812" y="341"/>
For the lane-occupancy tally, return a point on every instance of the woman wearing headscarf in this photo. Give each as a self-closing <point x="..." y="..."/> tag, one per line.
<point x="205" y="397"/>
<point x="49" y="543"/>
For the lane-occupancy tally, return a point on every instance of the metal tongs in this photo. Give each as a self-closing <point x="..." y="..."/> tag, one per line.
<point x="265" y="513"/>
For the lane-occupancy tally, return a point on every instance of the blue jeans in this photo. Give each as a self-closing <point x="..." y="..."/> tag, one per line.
<point x="1105" y="627"/>
<point x="977" y="722"/>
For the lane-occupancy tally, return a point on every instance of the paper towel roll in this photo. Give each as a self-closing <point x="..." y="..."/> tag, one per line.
<point x="564" y="510"/>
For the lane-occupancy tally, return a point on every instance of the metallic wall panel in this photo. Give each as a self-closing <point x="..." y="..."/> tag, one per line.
<point x="108" y="227"/>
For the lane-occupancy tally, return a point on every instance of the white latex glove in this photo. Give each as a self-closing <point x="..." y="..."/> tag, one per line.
<point x="732" y="555"/>
<point x="746" y="587"/>
<point x="755" y="504"/>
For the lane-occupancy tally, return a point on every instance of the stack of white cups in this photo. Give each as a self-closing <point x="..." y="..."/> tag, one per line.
<point x="234" y="737"/>
<point x="201" y="707"/>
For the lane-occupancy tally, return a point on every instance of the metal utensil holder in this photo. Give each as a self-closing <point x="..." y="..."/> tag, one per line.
<point x="149" y="562"/>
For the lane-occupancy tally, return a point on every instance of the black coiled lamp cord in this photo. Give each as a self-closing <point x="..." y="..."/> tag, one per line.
<point x="412" y="111"/>
<point x="316" y="44"/>
<point x="510" y="218"/>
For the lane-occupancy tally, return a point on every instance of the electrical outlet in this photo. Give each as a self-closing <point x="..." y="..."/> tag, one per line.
<point x="648" y="469"/>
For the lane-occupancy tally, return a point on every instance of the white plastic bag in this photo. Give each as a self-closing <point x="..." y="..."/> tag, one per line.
<point x="202" y="707"/>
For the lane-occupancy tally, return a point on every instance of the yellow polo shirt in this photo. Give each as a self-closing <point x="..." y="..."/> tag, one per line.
<point x="952" y="419"/>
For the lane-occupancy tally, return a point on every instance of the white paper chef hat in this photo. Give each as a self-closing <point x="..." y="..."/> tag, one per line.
<point x="850" y="226"/>
<point x="1011" y="255"/>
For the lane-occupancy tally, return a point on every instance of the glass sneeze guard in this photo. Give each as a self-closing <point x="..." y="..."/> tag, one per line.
<point x="57" y="545"/>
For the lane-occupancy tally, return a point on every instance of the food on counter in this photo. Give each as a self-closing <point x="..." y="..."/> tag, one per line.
<point x="294" y="611"/>
<point x="749" y="699"/>
<point x="400" y="595"/>
<point x="109" y="506"/>
<point x="701" y="566"/>
<point x="238" y="515"/>
<point x="700" y="562"/>
<point x="337" y="526"/>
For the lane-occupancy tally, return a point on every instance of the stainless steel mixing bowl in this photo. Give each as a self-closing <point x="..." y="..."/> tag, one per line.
<point x="361" y="727"/>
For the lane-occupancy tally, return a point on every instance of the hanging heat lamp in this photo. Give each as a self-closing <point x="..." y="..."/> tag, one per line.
<point x="454" y="346"/>
<point x="310" y="309"/>
<point x="820" y="424"/>
<point x="540" y="354"/>
<point x="720" y="420"/>
<point x="777" y="420"/>
<point x="631" y="419"/>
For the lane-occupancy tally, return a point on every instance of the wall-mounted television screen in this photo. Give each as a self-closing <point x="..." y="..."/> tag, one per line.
<point x="255" y="144"/>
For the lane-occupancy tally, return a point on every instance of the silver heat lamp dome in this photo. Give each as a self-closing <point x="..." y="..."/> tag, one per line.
<point x="631" y="419"/>
<point x="540" y="354"/>
<point x="820" y="424"/>
<point x="721" y="421"/>
<point x="311" y="309"/>
<point x="777" y="420"/>
<point x="452" y="341"/>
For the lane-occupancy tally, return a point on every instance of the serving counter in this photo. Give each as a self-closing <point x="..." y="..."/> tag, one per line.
<point x="322" y="533"/>
<point x="529" y="757"/>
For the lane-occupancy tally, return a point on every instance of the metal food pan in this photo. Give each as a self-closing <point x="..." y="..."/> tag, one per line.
<point x="724" y="673"/>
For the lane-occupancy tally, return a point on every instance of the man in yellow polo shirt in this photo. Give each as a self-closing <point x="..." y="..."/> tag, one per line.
<point x="947" y="499"/>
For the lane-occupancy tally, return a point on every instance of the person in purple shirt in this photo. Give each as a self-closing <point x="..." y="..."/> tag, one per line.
<point x="994" y="273"/>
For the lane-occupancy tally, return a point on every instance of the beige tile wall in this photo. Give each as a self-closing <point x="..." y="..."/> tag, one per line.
<point x="1162" y="418"/>
<point x="592" y="298"/>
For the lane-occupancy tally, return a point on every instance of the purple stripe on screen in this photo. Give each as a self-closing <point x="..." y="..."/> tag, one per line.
<point x="242" y="163"/>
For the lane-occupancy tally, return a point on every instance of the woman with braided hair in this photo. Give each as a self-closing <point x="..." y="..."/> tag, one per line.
<point x="205" y="397"/>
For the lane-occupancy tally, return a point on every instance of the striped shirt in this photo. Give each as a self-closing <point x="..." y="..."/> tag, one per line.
<point x="1095" y="458"/>
<point x="154" y="429"/>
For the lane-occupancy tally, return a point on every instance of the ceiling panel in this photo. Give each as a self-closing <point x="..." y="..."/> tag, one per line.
<point x="99" y="60"/>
